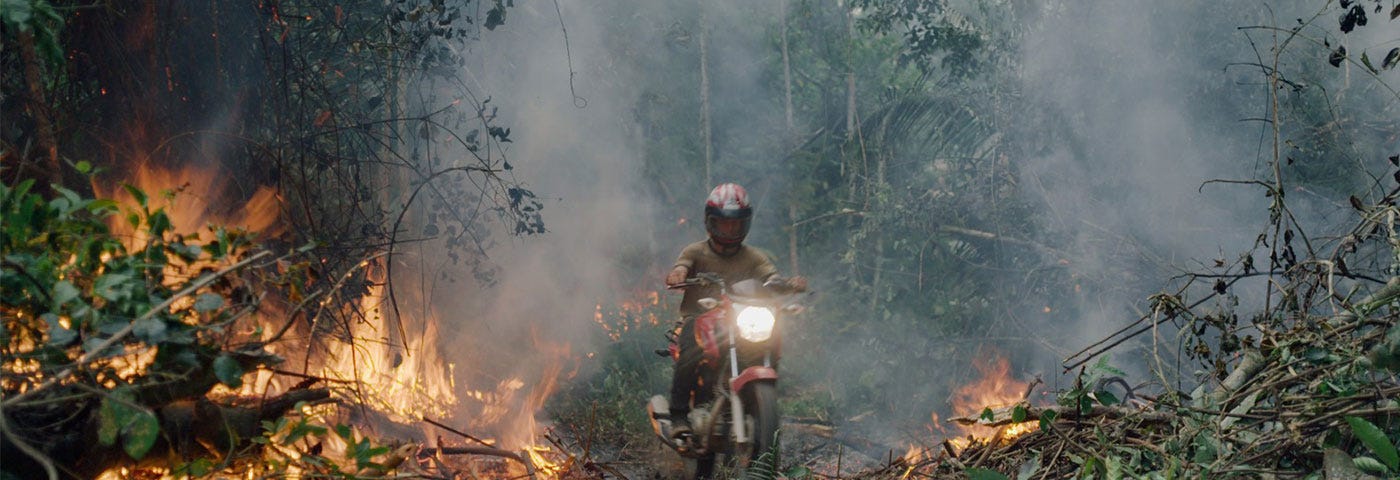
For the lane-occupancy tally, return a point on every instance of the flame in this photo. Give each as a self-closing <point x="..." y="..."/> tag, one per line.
<point x="403" y="377"/>
<point x="995" y="389"/>
<point x="194" y="198"/>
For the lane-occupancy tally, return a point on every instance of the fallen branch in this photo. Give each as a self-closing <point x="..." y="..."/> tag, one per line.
<point x="1003" y="416"/>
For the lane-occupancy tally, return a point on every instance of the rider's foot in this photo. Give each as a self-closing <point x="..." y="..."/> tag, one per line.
<point x="680" y="426"/>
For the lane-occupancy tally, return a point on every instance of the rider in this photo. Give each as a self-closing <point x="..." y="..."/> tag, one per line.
<point x="727" y="218"/>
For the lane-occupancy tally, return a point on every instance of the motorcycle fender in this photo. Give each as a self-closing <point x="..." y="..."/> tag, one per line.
<point x="754" y="373"/>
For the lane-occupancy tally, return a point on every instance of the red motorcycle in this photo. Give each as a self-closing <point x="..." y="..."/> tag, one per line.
<point x="739" y="335"/>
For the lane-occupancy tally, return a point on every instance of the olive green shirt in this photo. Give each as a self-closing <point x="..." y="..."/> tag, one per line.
<point x="747" y="263"/>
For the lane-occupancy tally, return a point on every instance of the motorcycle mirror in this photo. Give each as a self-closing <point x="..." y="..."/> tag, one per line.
<point x="708" y="303"/>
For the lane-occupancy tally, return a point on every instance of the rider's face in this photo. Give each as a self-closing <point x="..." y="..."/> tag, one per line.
<point x="729" y="227"/>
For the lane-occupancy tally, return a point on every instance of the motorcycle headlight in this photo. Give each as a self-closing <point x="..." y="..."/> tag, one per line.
<point x="755" y="323"/>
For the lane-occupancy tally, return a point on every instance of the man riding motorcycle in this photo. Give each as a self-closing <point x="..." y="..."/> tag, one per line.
<point x="727" y="219"/>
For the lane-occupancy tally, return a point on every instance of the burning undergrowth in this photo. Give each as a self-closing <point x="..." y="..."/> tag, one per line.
<point x="1305" y="388"/>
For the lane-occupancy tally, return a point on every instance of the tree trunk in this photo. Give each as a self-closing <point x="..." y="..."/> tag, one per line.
<point x="789" y="134"/>
<point x="787" y="70"/>
<point x="39" y="108"/>
<point x="850" y="74"/>
<point x="705" y="132"/>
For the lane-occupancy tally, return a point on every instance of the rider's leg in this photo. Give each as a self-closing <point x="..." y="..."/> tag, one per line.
<point x="686" y="372"/>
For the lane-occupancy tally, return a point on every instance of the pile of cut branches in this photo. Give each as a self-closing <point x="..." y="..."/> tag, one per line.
<point x="1307" y="388"/>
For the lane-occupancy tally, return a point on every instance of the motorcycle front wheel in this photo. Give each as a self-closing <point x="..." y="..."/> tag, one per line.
<point x="761" y="404"/>
<point x="762" y="419"/>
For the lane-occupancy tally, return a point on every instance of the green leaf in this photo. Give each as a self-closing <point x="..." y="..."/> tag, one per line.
<point x="102" y="206"/>
<point x="1047" y="417"/>
<point x="63" y="292"/>
<point x="798" y="471"/>
<point x="58" y="335"/>
<point x="344" y="431"/>
<point x="113" y="416"/>
<point x="107" y="427"/>
<point x="1369" y="465"/>
<point x="136" y="193"/>
<point x="150" y="330"/>
<point x="1375" y="439"/>
<point x="83" y="167"/>
<point x="159" y="222"/>
<point x="1113" y="468"/>
<point x="110" y="286"/>
<point x="208" y="302"/>
<point x="141" y="435"/>
<point x="1106" y="398"/>
<point x="228" y="371"/>
<point x="1366" y="60"/>
<point x="984" y="474"/>
<point x="987" y="415"/>
<point x="197" y="468"/>
<point x="1019" y="413"/>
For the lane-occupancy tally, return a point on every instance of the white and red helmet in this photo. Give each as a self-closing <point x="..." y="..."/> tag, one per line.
<point x="727" y="214"/>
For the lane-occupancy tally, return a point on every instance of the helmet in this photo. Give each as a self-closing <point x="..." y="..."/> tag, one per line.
<point x="727" y="214"/>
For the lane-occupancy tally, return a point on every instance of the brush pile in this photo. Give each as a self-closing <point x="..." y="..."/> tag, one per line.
<point x="1306" y="388"/>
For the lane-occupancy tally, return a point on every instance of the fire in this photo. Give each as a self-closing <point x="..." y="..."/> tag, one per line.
<point x="403" y="377"/>
<point x="194" y="198"/>
<point x="630" y="314"/>
<point x="995" y="389"/>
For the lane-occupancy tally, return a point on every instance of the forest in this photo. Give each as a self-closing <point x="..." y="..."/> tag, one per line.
<point x="427" y="239"/>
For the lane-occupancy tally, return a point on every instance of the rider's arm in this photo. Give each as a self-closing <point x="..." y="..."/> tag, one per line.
<point x="684" y="263"/>
<point x="767" y="271"/>
<point x="677" y="275"/>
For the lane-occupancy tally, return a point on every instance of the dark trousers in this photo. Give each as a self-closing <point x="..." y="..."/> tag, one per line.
<point x="689" y="371"/>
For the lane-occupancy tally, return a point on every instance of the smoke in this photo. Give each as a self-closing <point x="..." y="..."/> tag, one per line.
<point x="1150" y="113"/>
<point x="1155" y="100"/>
<point x="573" y="145"/>
<point x="1133" y="108"/>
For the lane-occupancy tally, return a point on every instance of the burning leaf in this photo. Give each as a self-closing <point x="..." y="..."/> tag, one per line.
<point x="1336" y="57"/>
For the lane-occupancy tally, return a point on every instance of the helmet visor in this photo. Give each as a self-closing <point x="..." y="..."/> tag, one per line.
<point x="728" y="229"/>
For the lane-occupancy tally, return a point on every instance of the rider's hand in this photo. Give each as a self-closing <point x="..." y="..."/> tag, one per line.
<point x="798" y="283"/>
<point x="676" y="276"/>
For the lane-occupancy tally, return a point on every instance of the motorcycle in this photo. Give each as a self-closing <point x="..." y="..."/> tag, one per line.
<point x="740" y="338"/>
